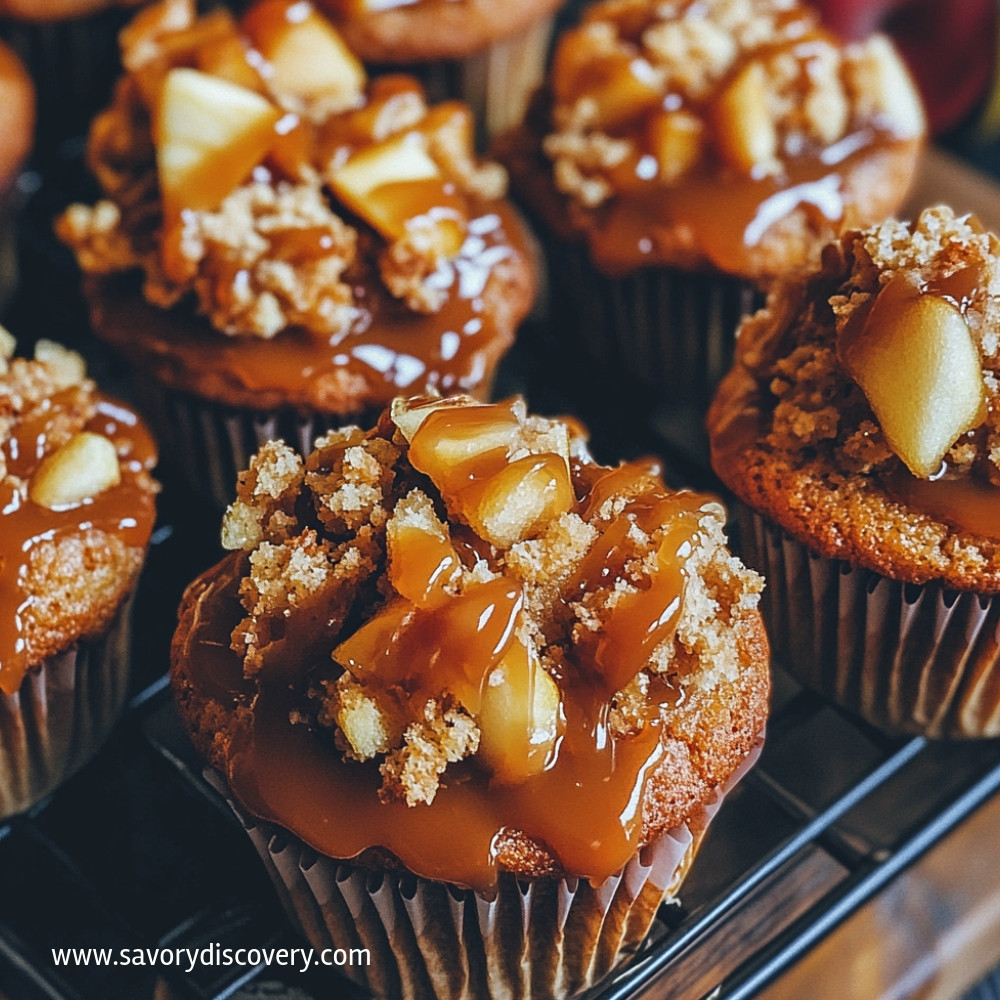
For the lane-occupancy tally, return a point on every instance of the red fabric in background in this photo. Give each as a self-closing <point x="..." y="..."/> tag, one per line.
<point x="949" y="45"/>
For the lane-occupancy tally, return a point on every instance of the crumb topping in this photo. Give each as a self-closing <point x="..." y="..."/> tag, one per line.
<point x="76" y="505"/>
<point x="266" y="194"/>
<point x="647" y="91"/>
<point x="451" y="575"/>
<point x="819" y="407"/>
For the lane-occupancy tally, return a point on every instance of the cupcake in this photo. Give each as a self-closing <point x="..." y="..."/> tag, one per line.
<point x="17" y="123"/>
<point x="475" y="696"/>
<point x="76" y="511"/>
<point x="282" y="245"/>
<point x="682" y="155"/>
<point x="860" y="426"/>
<point x="70" y="48"/>
<point x="489" y="53"/>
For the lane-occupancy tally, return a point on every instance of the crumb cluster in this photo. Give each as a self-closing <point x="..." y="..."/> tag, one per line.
<point x="660" y="90"/>
<point x="354" y="529"/>
<point x="817" y="407"/>
<point x="279" y="251"/>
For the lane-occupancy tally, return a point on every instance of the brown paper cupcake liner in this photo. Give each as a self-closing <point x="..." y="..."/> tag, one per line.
<point x="210" y="444"/>
<point x="542" y="939"/>
<point x="496" y="82"/>
<point x="907" y="658"/>
<point x="74" y="64"/>
<point x="673" y="331"/>
<point x="61" y="714"/>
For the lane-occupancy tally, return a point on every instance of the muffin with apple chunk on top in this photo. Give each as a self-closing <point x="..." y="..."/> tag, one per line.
<point x="492" y="684"/>
<point x="283" y="244"/>
<point x="860" y="426"/>
<point x="77" y="505"/>
<point x="682" y="155"/>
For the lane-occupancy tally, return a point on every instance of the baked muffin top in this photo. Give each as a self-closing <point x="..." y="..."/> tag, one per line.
<point x="863" y="412"/>
<point x="402" y="31"/>
<point x="458" y="643"/>
<point x="725" y="134"/>
<point x="76" y="505"/>
<point x="250" y="169"/>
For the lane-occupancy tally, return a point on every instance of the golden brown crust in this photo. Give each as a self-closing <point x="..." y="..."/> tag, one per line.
<point x="432" y="29"/>
<point x="17" y="114"/>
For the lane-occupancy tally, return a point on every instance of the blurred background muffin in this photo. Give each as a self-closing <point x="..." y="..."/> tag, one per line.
<point x="283" y="245"/>
<point x="76" y="512"/>
<point x="683" y="155"/>
<point x="860" y="427"/>
<point x="17" y="128"/>
<point x="489" y="53"/>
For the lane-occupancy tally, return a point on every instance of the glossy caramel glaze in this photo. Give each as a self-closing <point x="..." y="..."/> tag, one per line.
<point x="601" y="794"/>
<point x="126" y="511"/>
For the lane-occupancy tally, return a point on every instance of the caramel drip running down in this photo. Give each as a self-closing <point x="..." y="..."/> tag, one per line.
<point x="126" y="510"/>
<point x="964" y="503"/>
<point x="585" y="804"/>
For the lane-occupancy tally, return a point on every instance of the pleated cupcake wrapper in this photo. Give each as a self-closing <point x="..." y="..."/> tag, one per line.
<point x="673" y="331"/>
<point x="908" y="658"/>
<point x="540" y="939"/>
<point x="61" y="715"/>
<point x="74" y="65"/>
<point x="496" y="82"/>
<point x="210" y="444"/>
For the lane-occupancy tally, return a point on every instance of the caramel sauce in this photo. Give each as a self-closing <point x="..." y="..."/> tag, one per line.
<point x="584" y="801"/>
<point x="712" y="212"/>
<point x="389" y="347"/>
<point x="126" y="510"/>
<point x="963" y="502"/>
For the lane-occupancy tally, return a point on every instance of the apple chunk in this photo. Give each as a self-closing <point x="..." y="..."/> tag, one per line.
<point x="395" y="186"/>
<point x="520" y="717"/>
<point x="747" y="134"/>
<point x="915" y="360"/>
<point x="307" y="58"/>
<point x="209" y="136"/>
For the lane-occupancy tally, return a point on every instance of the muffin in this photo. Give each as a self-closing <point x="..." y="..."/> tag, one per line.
<point x="489" y="53"/>
<point x="283" y="245"/>
<point x="860" y="427"/>
<point x="76" y="511"/>
<point x="476" y="696"/>
<point x="683" y="155"/>
<point x="17" y="123"/>
<point x="70" y="50"/>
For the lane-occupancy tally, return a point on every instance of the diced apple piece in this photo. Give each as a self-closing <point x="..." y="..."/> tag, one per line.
<point x="622" y="87"/>
<point x="81" y="469"/>
<point x="675" y="139"/>
<point x="209" y="136"/>
<point x="517" y="501"/>
<point x="392" y="183"/>
<point x="409" y="414"/>
<point x="746" y="132"/>
<point x="888" y="89"/>
<point x="422" y="562"/>
<point x="307" y="57"/>
<point x="915" y="360"/>
<point x="519" y="717"/>
<point x="458" y="445"/>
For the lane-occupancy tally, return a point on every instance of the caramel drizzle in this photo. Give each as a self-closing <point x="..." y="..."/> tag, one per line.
<point x="585" y="806"/>
<point x="126" y="510"/>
